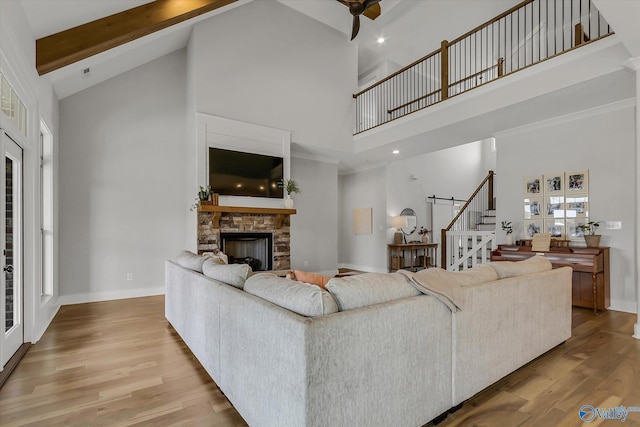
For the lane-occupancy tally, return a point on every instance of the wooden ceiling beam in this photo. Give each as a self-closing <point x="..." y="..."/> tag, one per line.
<point x="72" y="45"/>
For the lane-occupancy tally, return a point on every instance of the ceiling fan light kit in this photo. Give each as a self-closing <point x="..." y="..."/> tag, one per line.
<point x="369" y="8"/>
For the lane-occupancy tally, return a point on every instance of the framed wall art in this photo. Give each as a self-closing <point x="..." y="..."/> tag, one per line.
<point x="532" y="227"/>
<point x="577" y="206"/>
<point x="554" y="206"/>
<point x="553" y="183"/>
<point x="533" y="185"/>
<point x="557" y="204"/>
<point x="555" y="228"/>
<point x="533" y="207"/>
<point x="577" y="182"/>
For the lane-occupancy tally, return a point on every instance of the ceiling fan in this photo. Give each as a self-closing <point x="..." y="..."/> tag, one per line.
<point x="369" y="8"/>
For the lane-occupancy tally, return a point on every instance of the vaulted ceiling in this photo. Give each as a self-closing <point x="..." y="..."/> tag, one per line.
<point x="411" y="29"/>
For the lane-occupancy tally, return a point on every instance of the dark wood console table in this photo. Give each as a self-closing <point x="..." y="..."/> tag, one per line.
<point x="397" y="256"/>
<point x="590" y="283"/>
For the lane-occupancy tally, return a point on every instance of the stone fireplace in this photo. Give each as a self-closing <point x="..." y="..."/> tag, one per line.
<point x="215" y="223"/>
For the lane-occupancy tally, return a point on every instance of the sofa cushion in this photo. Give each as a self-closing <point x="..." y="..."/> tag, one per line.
<point x="312" y="278"/>
<point x="302" y="298"/>
<point x="365" y="289"/>
<point x="447" y="285"/>
<point x="535" y="264"/>
<point x="188" y="259"/>
<point x="231" y="274"/>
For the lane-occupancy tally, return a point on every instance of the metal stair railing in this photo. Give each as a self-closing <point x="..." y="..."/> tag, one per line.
<point x="464" y="245"/>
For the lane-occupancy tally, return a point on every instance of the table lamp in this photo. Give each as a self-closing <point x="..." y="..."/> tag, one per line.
<point x="399" y="222"/>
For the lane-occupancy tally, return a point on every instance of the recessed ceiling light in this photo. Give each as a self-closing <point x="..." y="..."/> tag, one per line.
<point x="380" y="40"/>
<point x="396" y="151"/>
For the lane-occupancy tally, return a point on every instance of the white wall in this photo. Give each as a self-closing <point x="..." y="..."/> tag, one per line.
<point x="365" y="189"/>
<point x="17" y="62"/>
<point x="601" y="140"/>
<point x="314" y="229"/>
<point x="122" y="181"/>
<point x="405" y="183"/>
<point x="266" y="64"/>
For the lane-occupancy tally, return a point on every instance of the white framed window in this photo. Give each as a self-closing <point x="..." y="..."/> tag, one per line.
<point x="46" y="210"/>
<point x="12" y="106"/>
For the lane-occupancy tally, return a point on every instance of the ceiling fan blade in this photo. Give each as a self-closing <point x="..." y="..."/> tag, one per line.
<point x="373" y="11"/>
<point x="356" y="27"/>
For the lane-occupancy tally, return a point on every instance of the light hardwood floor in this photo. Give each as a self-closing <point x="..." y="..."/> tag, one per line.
<point x="119" y="363"/>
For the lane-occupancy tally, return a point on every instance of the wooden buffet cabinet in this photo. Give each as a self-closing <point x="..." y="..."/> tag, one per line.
<point x="590" y="284"/>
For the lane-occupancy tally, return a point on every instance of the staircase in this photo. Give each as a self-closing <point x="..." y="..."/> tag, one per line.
<point x="470" y="237"/>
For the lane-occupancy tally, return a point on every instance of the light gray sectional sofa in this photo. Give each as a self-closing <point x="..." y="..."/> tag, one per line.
<point x="374" y="349"/>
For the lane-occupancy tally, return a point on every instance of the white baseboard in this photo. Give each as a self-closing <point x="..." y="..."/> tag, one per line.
<point x="45" y="325"/>
<point x="363" y="268"/>
<point x="625" y="306"/>
<point x="109" y="295"/>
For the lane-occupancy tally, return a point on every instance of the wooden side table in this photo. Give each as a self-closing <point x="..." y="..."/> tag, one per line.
<point x="398" y="256"/>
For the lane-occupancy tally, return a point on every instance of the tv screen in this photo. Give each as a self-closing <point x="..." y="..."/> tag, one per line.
<point x="234" y="173"/>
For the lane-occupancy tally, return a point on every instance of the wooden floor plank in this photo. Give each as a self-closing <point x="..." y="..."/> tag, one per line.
<point x="119" y="363"/>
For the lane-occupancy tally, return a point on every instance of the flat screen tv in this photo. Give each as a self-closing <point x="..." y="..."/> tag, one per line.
<point x="234" y="173"/>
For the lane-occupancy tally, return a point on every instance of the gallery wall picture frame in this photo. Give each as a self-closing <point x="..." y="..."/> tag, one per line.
<point x="553" y="183"/>
<point x="555" y="227"/>
<point x="554" y="206"/>
<point x="533" y="207"/>
<point x="533" y="185"/>
<point x="573" y="230"/>
<point x="532" y="227"/>
<point x="577" y="182"/>
<point x="577" y="206"/>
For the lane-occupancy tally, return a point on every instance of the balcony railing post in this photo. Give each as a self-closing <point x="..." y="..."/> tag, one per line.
<point x="444" y="70"/>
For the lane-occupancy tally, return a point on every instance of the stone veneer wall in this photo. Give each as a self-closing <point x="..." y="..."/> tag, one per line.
<point x="209" y="237"/>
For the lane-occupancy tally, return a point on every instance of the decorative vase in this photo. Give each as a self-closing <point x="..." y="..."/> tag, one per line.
<point x="425" y="238"/>
<point x="510" y="239"/>
<point x="593" y="240"/>
<point x="288" y="202"/>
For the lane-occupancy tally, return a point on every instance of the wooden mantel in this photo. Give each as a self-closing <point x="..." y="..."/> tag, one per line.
<point x="218" y="210"/>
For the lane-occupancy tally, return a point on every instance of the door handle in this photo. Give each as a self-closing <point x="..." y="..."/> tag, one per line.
<point x="8" y="268"/>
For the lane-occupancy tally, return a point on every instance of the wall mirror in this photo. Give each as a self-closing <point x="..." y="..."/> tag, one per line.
<point x="412" y="221"/>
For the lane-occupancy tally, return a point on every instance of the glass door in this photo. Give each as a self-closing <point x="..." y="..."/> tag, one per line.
<point x="11" y="286"/>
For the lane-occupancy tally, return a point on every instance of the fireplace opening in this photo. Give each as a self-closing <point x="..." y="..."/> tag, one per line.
<point x="255" y="249"/>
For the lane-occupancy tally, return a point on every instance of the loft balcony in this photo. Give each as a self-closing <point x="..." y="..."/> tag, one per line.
<point x="530" y="33"/>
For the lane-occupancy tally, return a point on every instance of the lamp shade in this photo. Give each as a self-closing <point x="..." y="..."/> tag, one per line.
<point x="399" y="222"/>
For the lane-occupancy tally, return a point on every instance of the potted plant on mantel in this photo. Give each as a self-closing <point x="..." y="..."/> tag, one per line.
<point x="290" y="187"/>
<point x="203" y="196"/>
<point x="590" y="237"/>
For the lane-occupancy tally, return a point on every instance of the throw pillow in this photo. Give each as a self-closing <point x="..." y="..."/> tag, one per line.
<point x="231" y="274"/>
<point x="312" y="278"/>
<point x="301" y="298"/>
<point x="535" y="264"/>
<point x="369" y="288"/>
<point x="188" y="259"/>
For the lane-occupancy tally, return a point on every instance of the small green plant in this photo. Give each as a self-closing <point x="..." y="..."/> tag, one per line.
<point x="203" y="194"/>
<point x="590" y="227"/>
<point x="506" y="226"/>
<point x="290" y="186"/>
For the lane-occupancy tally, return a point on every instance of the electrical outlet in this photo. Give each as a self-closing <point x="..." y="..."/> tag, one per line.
<point x="129" y="276"/>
